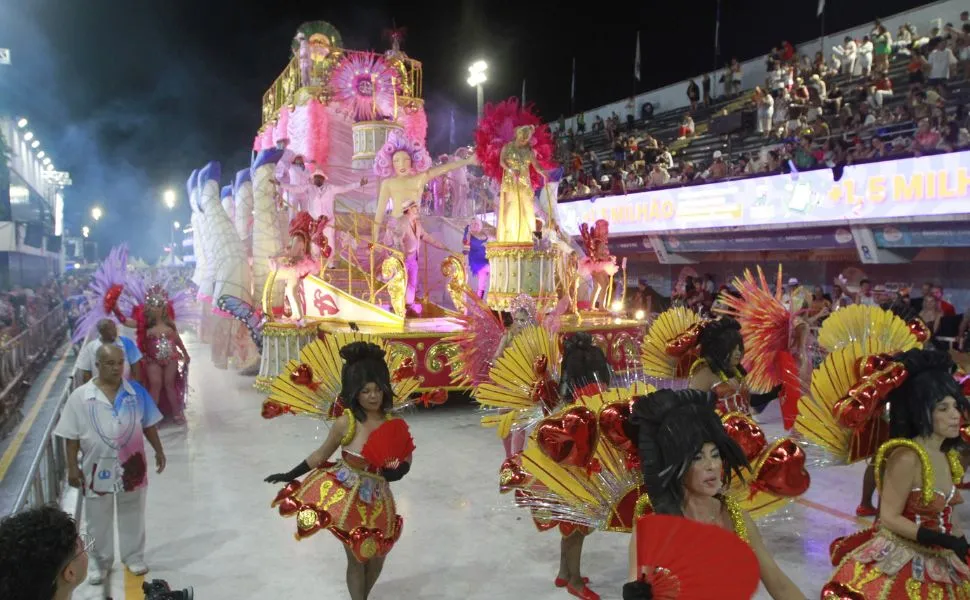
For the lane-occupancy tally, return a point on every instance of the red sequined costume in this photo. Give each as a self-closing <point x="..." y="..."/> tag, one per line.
<point x="877" y="563"/>
<point x="348" y="497"/>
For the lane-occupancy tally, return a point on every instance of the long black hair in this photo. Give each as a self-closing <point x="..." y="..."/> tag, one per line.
<point x="912" y="404"/>
<point x="673" y="427"/>
<point x="582" y="363"/>
<point x="717" y="340"/>
<point x="364" y="363"/>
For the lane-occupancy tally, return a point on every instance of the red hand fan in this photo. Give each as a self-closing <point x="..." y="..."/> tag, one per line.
<point x="687" y="560"/>
<point x="388" y="443"/>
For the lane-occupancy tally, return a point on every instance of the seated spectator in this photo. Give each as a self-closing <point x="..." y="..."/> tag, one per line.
<point x="686" y="127"/>
<point x="926" y="138"/>
<point x="804" y="154"/>
<point x="658" y="175"/>
<point x="42" y="555"/>
<point x="881" y="89"/>
<point x="719" y="168"/>
<point x="937" y="292"/>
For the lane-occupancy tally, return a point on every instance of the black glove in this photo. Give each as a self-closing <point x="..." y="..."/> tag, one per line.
<point x="930" y="537"/>
<point x="637" y="590"/>
<point x="397" y="473"/>
<point x="760" y="401"/>
<point x="298" y="471"/>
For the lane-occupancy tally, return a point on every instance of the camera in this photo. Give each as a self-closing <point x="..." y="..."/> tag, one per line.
<point x="158" y="589"/>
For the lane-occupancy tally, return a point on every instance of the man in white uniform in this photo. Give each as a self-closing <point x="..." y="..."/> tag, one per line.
<point x="108" y="334"/>
<point x="107" y="420"/>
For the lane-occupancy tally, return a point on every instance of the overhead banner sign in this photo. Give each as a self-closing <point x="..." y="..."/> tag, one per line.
<point x="927" y="188"/>
<point x="808" y="239"/>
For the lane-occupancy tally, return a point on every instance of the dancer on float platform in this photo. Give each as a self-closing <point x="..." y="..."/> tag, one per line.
<point x="351" y="497"/>
<point x="687" y="461"/>
<point x="408" y="238"/>
<point x="405" y="167"/>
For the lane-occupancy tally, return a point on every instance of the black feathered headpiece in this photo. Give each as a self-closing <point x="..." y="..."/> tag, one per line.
<point x="673" y="427"/>
<point x="717" y="340"/>
<point x="583" y="363"/>
<point x="929" y="380"/>
<point x="364" y="363"/>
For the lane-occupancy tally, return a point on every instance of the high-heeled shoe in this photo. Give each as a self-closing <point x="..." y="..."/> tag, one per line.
<point x="561" y="583"/>
<point x="584" y="594"/>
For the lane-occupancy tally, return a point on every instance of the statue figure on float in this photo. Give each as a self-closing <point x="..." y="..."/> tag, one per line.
<point x="405" y="167"/>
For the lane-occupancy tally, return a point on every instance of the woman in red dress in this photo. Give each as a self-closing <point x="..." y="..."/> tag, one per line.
<point x="916" y="548"/>
<point x="351" y="497"/>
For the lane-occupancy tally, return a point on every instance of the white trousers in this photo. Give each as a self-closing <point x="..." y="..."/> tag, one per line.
<point x="100" y="514"/>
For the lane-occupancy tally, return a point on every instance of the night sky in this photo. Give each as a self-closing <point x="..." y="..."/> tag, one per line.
<point x="129" y="97"/>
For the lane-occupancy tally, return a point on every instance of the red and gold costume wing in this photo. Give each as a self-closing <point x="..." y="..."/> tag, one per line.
<point x="521" y="382"/>
<point x="311" y="385"/>
<point x="843" y="414"/>
<point x="669" y="348"/>
<point x="580" y="464"/>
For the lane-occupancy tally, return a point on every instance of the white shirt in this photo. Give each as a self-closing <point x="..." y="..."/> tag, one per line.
<point x="111" y="436"/>
<point x="86" y="359"/>
<point x="940" y="63"/>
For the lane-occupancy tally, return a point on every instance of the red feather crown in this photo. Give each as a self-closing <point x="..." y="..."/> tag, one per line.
<point x="497" y="128"/>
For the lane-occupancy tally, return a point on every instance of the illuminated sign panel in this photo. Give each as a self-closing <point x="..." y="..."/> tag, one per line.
<point x="926" y="188"/>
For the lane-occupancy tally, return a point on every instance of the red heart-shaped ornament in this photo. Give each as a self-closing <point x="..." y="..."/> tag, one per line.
<point x="303" y="375"/>
<point x="571" y="438"/>
<point x="743" y="430"/>
<point x="512" y="475"/>
<point x="615" y="423"/>
<point x="273" y="409"/>
<point x="783" y="471"/>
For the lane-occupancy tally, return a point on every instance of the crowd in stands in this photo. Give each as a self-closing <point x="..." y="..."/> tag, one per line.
<point x="874" y="98"/>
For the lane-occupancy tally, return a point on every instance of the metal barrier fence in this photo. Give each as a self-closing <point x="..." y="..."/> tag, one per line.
<point x="18" y="356"/>
<point x="48" y="470"/>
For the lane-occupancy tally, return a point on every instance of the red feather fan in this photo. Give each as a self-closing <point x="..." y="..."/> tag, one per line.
<point x="497" y="128"/>
<point x="687" y="560"/>
<point x="388" y="443"/>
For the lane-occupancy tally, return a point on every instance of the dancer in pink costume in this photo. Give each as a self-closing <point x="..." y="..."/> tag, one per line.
<point x="297" y="261"/>
<point x="598" y="263"/>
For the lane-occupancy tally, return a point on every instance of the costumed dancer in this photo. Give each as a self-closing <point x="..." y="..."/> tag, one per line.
<point x="462" y="204"/>
<point x="166" y="360"/>
<point x="293" y="178"/>
<point x="598" y="264"/>
<point x="915" y="549"/>
<point x="297" y="261"/>
<point x="515" y="148"/>
<point x="408" y="237"/>
<point x="527" y="396"/>
<point x="477" y="234"/>
<point x="851" y="334"/>
<point x="441" y="191"/>
<point x="404" y="167"/>
<point x="776" y="336"/>
<point x="680" y="345"/>
<point x="351" y="497"/>
<point x="687" y="462"/>
<point x="320" y="196"/>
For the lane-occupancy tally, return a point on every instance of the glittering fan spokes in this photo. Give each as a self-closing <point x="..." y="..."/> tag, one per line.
<point x="521" y="382"/>
<point x="872" y="326"/>
<point x="660" y="358"/>
<point x="600" y="492"/>
<point x="364" y="86"/>
<point x="312" y="385"/>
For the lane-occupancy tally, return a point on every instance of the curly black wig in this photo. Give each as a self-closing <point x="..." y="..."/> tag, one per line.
<point x="717" y="340"/>
<point x="912" y="404"/>
<point x="673" y="427"/>
<point x="35" y="546"/>
<point x="364" y="363"/>
<point x="582" y="363"/>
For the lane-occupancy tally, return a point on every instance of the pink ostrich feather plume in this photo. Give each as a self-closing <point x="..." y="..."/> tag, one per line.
<point x="415" y="122"/>
<point x="363" y="82"/>
<point x="497" y="128"/>
<point x="398" y="141"/>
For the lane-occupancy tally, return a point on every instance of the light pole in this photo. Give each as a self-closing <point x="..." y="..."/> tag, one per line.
<point x="476" y="77"/>
<point x="97" y="213"/>
<point x="85" y="231"/>
<point x="176" y="226"/>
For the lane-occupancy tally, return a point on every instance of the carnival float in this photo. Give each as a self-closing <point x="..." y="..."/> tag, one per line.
<point x="324" y="233"/>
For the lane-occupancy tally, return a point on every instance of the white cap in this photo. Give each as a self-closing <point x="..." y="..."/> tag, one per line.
<point x="793" y="281"/>
<point x="717" y="154"/>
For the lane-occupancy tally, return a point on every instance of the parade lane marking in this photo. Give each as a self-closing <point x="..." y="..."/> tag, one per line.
<point x="42" y="399"/>
<point x="834" y="512"/>
<point x="133" y="589"/>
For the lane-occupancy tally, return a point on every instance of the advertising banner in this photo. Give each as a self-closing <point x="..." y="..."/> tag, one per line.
<point x="941" y="235"/>
<point x="931" y="188"/>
